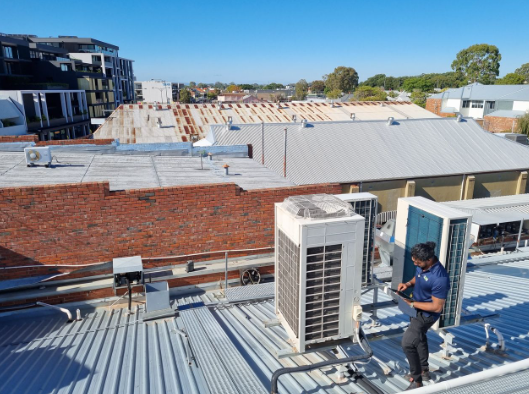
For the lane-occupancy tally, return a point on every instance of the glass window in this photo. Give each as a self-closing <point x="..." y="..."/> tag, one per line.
<point x="477" y="104"/>
<point x="9" y="70"/>
<point x="65" y="67"/>
<point x="8" y="51"/>
<point x="466" y="103"/>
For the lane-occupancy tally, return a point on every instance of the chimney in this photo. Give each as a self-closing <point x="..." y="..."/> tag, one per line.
<point x="353" y="116"/>
<point x="390" y="120"/>
<point x="226" y="167"/>
<point x="303" y="123"/>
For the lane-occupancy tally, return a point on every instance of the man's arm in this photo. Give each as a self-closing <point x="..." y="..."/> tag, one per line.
<point x="436" y="306"/>
<point x="407" y="285"/>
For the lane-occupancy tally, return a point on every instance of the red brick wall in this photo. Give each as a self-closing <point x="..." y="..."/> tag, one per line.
<point x="19" y="138"/>
<point x="434" y="105"/>
<point x="496" y="124"/>
<point x="86" y="223"/>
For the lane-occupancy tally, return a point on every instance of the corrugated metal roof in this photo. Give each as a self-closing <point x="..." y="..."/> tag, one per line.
<point x="487" y="92"/>
<point x="504" y="113"/>
<point x="112" y="352"/>
<point x="138" y="123"/>
<point x="372" y="150"/>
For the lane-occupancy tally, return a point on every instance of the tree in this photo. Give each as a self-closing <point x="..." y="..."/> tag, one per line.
<point x="202" y="85"/>
<point x="219" y="85"/>
<point x="511" y="79"/>
<point x="524" y="71"/>
<point x="421" y="84"/>
<point x="419" y="98"/>
<point x="375" y="81"/>
<point x="185" y="96"/>
<point x="342" y="78"/>
<point x="192" y="84"/>
<point x="522" y="126"/>
<point x="233" y="88"/>
<point x="334" y="94"/>
<point x="302" y="87"/>
<point x="479" y="63"/>
<point x="317" y="86"/>
<point x="213" y="94"/>
<point x="368" y="93"/>
<point x="274" y="86"/>
<point x="246" y="86"/>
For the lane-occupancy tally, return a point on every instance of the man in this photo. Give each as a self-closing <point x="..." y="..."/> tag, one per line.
<point x="430" y="288"/>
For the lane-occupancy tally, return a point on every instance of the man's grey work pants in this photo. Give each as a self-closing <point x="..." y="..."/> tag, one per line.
<point x="415" y="344"/>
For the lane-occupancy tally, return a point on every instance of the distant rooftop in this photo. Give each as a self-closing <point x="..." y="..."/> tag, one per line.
<point x="139" y="171"/>
<point x="486" y="92"/>
<point x="341" y="152"/>
<point x="133" y="123"/>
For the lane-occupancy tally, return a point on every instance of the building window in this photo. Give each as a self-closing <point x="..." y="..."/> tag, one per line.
<point x="107" y="59"/>
<point x="66" y="67"/>
<point x="466" y="103"/>
<point x="8" y="51"/>
<point x="477" y="104"/>
<point x="9" y="69"/>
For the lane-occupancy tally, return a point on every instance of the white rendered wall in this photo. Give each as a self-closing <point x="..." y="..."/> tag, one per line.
<point x="520" y="106"/>
<point x="156" y="91"/>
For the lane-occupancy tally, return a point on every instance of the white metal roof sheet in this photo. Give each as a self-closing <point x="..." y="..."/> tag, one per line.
<point x="487" y="92"/>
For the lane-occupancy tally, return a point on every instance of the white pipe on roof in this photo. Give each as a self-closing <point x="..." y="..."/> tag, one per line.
<point x="479" y="377"/>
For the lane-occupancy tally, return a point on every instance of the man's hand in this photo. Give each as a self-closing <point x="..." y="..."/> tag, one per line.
<point x="407" y="301"/>
<point x="402" y="287"/>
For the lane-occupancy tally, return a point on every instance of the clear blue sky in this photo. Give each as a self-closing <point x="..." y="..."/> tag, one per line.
<point x="283" y="41"/>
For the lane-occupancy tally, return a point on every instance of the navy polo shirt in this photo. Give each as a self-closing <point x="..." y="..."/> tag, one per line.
<point x="432" y="282"/>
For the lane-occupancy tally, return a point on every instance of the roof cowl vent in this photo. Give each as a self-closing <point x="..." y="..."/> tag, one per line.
<point x="303" y="123"/>
<point x="459" y="118"/>
<point x="353" y="116"/>
<point x="294" y="118"/>
<point x="229" y="123"/>
<point x="390" y="120"/>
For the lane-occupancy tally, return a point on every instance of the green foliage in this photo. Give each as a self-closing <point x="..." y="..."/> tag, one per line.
<point x="274" y="86"/>
<point x="511" y="79"/>
<point x="440" y="81"/>
<point x="212" y="95"/>
<point x="418" y="83"/>
<point x="524" y="71"/>
<point x="185" y="96"/>
<point x="419" y="98"/>
<point x="479" y="63"/>
<point x="393" y="94"/>
<point x="317" y="86"/>
<point x="302" y="87"/>
<point x="342" y="78"/>
<point x="334" y="94"/>
<point x="192" y="84"/>
<point x="246" y="86"/>
<point x="522" y="126"/>
<point x="202" y="85"/>
<point x="219" y="85"/>
<point x="368" y="93"/>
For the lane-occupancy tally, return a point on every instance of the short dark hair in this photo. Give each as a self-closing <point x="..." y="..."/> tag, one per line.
<point x="424" y="251"/>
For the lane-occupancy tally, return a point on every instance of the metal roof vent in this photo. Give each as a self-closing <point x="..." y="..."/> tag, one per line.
<point x="459" y="118"/>
<point x="294" y="118"/>
<point x="278" y="105"/>
<point x="159" y="122"/>
<point x="353" y="116"/>
<point x="303" y="123"/>
<point x="318" y="206"/>
<point x="332" y="103"/>
<point x="219" y="106"/>
<point x="390" y="120"/>
<point x="229" y="123"/>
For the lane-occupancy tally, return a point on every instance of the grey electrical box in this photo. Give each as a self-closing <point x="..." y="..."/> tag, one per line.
<point x="127" y="270"/>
